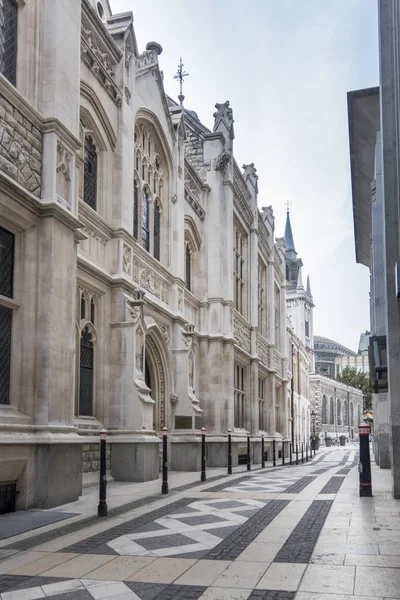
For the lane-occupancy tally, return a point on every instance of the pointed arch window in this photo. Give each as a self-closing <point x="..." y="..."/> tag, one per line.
<point x="86" y="373"/>
<point x="90" y="173"/>
<point x="135" y="210"/>
<point x="145" y="221"/>
<point x="188" y="267"/>
<point x="157" y="232"/>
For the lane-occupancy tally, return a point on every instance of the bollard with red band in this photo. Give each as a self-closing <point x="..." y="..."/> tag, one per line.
<point x="164" y="486"/>
<point x="274" y="453"/>
<point x="203" y="454"/>
<point x="248" y="451"/>
<point x="102" y="507"/>
<point x="364" y="466"/>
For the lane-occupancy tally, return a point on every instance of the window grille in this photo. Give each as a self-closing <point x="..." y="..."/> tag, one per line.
<point x="86" y="374"/>
<point x="6" y="262"/>
<point x="5" y="354"/>
<point x="8" y="39"/>
<point x="90" y="173"/>
<point x="157" y="232"/>
<point x="8" y="493"/>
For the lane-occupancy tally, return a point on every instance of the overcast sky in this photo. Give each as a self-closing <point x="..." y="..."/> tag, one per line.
<point x="286" y="67"/>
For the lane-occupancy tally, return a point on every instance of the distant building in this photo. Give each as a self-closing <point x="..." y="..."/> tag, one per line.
<point x="326" y="352"/>
<point x="358" y="361"/>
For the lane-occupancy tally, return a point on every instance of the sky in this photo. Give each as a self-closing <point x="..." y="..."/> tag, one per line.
<point x="286" y="67"/>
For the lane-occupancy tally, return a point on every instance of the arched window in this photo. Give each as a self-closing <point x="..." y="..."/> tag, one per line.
<point x="157" y="232"/>
<point x="135" y="209"/>
<point x="338" y="411"/>
<point x="345" y="413"/>
<point x="324" y="410"/>
<point x="188" y="267"/>
<point x="351" y="415"/>
<point x="331" y="412"/>
<point x="145" y="221"/>
<point x="86" y="373"/>
<point x="90" y="173"/>
<point x="147" y="196"/>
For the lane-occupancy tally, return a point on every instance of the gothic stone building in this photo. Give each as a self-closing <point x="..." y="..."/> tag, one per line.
<point x="140" y="286"/>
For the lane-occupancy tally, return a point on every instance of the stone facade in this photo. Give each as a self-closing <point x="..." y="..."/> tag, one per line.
<point x="129" y="310"/>
<point x="338" y="408"/>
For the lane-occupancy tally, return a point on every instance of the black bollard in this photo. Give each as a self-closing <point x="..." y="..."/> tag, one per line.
<point x="262" y="452"/>
<point x="297" y="454"/>
<point x="164" y="487"/>
<point x="229" y="451"/>
<point x="248" y="452"/>
<point x="274" y="453"/>
<point x="283" y="453"/>
<point x="364" y="466"/>
<point x="290" y="454"/>
<point x="102" y="508"/>
<point x="302" y="453"/>
<point x="306" y="452"/>
<point x="203" y="454"/>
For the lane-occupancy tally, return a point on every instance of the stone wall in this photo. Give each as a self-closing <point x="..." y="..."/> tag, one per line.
<point x="91" y="457"/>
<point x="194" y="152"/>
<point x="20" y="148"/>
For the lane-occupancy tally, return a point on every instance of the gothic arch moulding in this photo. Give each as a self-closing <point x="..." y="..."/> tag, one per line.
<point x="160" y="366"/>
<point x="147" y="117"/>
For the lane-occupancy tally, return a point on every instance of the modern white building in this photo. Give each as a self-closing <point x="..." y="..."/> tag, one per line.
<point x="140" y="286"/>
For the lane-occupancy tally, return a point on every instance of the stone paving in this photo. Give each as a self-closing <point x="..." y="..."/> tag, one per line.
<point x="295" y="532"/>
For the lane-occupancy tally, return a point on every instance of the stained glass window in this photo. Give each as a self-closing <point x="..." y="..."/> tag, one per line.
<point x="157" y="232"/>
<point x="145" y="221"/>
<point x="86" y="374"/>
<point x="90" y="173"/>
<point x="8" y="39"/>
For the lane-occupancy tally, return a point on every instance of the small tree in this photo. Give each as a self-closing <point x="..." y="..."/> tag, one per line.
<point x="359" y="380"/>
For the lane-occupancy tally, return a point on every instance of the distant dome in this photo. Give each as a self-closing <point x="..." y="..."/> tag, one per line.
<point x="323" y="344"/>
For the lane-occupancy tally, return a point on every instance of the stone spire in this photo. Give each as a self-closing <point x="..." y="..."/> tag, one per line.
<point x="289" y="241"/>
<point x="308" y="288"/>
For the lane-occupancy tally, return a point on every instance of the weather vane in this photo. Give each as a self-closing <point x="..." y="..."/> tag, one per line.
<point x="288" y="204"/>
<point x="180" y="74"/>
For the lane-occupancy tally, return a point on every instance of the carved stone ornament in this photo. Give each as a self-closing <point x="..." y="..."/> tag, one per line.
<point x="146" y="59"/>
<point x="222" y="161"/>
<point x="174" y="198"/>
<point x="166" y="333"/>
<point x="127" y="260"/>
<point x="134" y="308"/>
<point x="173" y="398"/>
<point x="179" y="171"/>
<point x="128" y="94"/>
<point x="250" y="172"/>
<point x="187" y="335"/>
<point x="64" y="158"/>
<point x="180" y="300"/>
<point x="223" y="113"/>
<point x="242" y="333"/>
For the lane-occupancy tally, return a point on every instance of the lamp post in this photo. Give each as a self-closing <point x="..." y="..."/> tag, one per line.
<point x="313" y="416"/>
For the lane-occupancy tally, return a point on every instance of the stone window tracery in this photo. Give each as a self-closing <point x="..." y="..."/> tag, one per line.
<point x="86" y="353"/>
<point x="148" y="181"/>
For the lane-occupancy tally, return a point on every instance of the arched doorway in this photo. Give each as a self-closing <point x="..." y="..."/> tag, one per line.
<point x="155" y="378"/>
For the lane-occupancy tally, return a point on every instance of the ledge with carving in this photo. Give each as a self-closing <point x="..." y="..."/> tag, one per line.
<point x="100" y="53"/>
<point x="278" y="363"/>
<point x="242" y="332"/>
<point x="93" y="222"/>
<point x="191" y="308"/>
<point x="145" y="270"/>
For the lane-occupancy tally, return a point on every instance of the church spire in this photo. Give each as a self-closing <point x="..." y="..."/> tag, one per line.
<point x="289" y="241"/>
<point x="308" y="288"/>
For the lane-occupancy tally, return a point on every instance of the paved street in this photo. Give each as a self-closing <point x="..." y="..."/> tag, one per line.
<point x="276" y="534"/>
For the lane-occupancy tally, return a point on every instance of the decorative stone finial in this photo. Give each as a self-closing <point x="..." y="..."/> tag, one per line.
<point x="155" y="48"/>
<point x="250" y="174"/>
